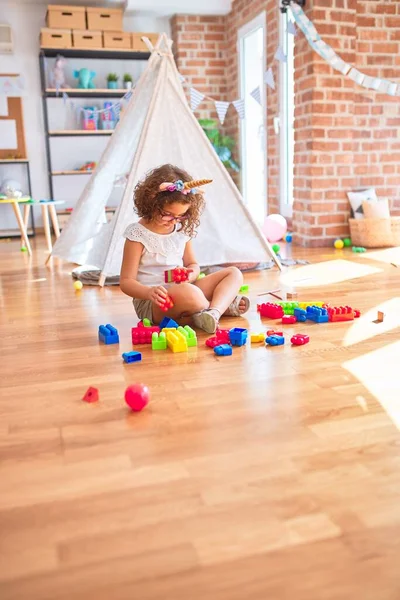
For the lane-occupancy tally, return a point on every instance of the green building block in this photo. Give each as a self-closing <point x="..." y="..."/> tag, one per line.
<point x="158" y="341"/>
<point x="288" y="307"/>
<point x="244" y="289"/>
<point x="147" y="323"/>
<point x="201" y="275"/>
<point x="189" y="334"/>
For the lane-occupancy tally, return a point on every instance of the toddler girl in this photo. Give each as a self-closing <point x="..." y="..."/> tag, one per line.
<point x="161" y="240"/>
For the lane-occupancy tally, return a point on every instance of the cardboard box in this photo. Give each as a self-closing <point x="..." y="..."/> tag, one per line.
<point x="139" y="45"/>
<point x="104" y="19"/>
<point x="87" y="39"/>
<point x="66" y="17"/>
<point x="116" y="39"/>
<point x="55" y="38"/>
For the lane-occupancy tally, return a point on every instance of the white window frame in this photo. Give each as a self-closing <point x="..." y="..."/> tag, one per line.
<point x="259" y="21"/>
<point x="286" y="208"/>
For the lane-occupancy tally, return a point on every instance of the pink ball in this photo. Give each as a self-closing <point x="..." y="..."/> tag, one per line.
<point x="274" y="228"/>
<point x="137" y="396"/>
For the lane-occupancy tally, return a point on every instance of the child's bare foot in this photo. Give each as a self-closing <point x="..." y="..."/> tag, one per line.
<point x="238" y="307"/>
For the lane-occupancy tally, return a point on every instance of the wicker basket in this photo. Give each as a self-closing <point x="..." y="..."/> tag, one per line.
<point x="375" y="233"/>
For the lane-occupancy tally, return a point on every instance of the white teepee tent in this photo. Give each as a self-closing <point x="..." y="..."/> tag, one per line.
<point x="159" y="127"/>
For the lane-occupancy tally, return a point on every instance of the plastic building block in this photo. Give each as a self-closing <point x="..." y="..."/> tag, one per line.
<point x="221" y="337"/>
<point x="316" y="314"/>
<point x="130" y="357"/>
<point x="201" y="276"/>
<point x="176" y="341"/>
<point x="358" y="249"/>
<point x="108" y="334"/>
<point x="190" y="335"/>
<point x="158" y="341"/>
<point x="340" y="313"/>
<point x="271" y="310"/>
<point x="255" y="338"/>
<point x="275" y="340"/>
<point x="137" y="396"/>
<point x="167" y="304"/>
<point x="288" y="319"/>
<point x="381" y="316"/>
<point x="305" y="304"/>
<point x="273" y="332"/>
<point x="223" y="350"/>
<point x="289" y="307"/>
<point x="166" y="322"/>
<point x="357" y="314"/>
<point x="299" y="339"/>
<point x="244" y="289"/>
<point x="238" y="336"/>
<point x="300" y="314"/>
<point x="142" y="335"/>
<point x="92" y="395"/>
<point x="147" y="323"/>
<point x="177" y="275"/>
<point x="212" y="342"/>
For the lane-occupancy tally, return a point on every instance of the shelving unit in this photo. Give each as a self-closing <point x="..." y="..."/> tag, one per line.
<point x="47" y="93"/>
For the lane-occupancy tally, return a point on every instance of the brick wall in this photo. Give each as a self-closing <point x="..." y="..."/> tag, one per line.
<point x="346" y="136"/>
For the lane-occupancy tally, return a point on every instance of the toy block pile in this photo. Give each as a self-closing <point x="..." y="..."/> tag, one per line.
<point x="143" y="334"/>
<point x="318" y="312"/>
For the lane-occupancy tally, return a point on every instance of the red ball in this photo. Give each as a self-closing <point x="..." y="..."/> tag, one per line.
<point x="137" y="396"/>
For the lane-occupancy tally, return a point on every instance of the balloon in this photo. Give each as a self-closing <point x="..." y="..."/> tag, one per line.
<point x="11" y="188"/>
<point x="275" y="227"/>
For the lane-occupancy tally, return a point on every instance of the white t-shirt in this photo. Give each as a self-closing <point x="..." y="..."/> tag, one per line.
<point x="160" y="252"/>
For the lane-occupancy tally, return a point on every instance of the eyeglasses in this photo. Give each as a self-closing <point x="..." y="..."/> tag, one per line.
<point x="165" y="216"/>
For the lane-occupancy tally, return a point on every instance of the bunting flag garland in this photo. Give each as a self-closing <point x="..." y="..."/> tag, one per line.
<point x="221" y="108"/>
<point x="239" y="105"/>
<point x="196" y="98"/>
<point x="280" y="55"/>
<point x="269" y="78"/>
<point x="327" y="53"/>
<point x="256" y="94"/>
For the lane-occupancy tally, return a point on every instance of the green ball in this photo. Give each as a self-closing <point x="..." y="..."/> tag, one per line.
<point x="347" y="242"/>
<point x="24" y="249"/>
<point x="276" y="248"/>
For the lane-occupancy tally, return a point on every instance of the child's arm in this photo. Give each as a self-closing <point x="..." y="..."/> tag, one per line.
<point x="189" y="262"/>
<point x="128" y="283"/>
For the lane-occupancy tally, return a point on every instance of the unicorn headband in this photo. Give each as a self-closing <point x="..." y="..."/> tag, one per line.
<point x="189" y="187"/>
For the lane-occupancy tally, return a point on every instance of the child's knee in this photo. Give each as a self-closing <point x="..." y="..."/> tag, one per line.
<point x="189" y="297"/>
<point x="237" y="273"/>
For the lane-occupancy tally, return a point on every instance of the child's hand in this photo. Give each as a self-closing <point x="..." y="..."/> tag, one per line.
<point x="158" y="294"/>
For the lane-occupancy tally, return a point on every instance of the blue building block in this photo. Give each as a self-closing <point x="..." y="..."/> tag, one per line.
<point x="108" y="334"/>
<point x="238" y="336"/>
<point x="130" y="357"/>
<point x="223" y="350"/>
<point x="275" y="340"/>
<point x="317" y="314"/>
<point x="300" y="314"/>
<point x="166" y="322"/>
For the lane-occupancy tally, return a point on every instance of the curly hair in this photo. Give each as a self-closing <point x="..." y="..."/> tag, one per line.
<point x="149" y="200"/>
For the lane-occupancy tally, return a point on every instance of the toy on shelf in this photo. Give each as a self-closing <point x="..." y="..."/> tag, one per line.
<point x="90" y="118"/>
<point x="223" y="350"/>
<point x="275" y="340"/>
<point x="288" y="320"/>
<point x="57" y="77"/>
<point x="85" y="79"/>
<point x="137" y="396"/>
<point x="177" y="275"/>
<point x="143" y="335"/>
<point x="271" y="311"/>
<point x="299" y="339"/>
<point x="108" y="334"/>
<point x="112" y="81"/>
<point x="130" y="357"/>
<point x="92" y="395"/>
<point x="108" y="117"/>
<point x="166" y="322"/>
<point x="88" y="166"/>
<point x="176" y="341"/>
<point x="167" y="304"/>
<point x="255" y="338"/>
<point x="340" y="313"/>
<point x="238" y="336"/>
<point x="189" y="334"/>
<point x="317" y="314"/>
<point x="158" y="341"/>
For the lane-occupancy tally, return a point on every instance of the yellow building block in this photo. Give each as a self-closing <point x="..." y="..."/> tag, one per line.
<point x="176" y="341"/>
<point x="255" y="338"/>
<point x="304" y="305"/>
<point x="166" y="329"/>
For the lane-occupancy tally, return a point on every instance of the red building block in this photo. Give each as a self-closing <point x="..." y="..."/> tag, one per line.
<point x="288" y="319"/>
<point x="221" y="337"/>
<point x="142" y="335"/>
<point x="271" y="310"/>
<point x="167" y="305"/>
<point x="357" y="314"/>
<point x="340" y="313"/>
<point x="177" y="275"/>
<point x="92" y="395"/>
<point x="300" y="339"/>
<point x="273" y="332"/>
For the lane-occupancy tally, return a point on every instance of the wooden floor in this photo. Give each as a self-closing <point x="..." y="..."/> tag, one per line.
<point x="273" y="474"/>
